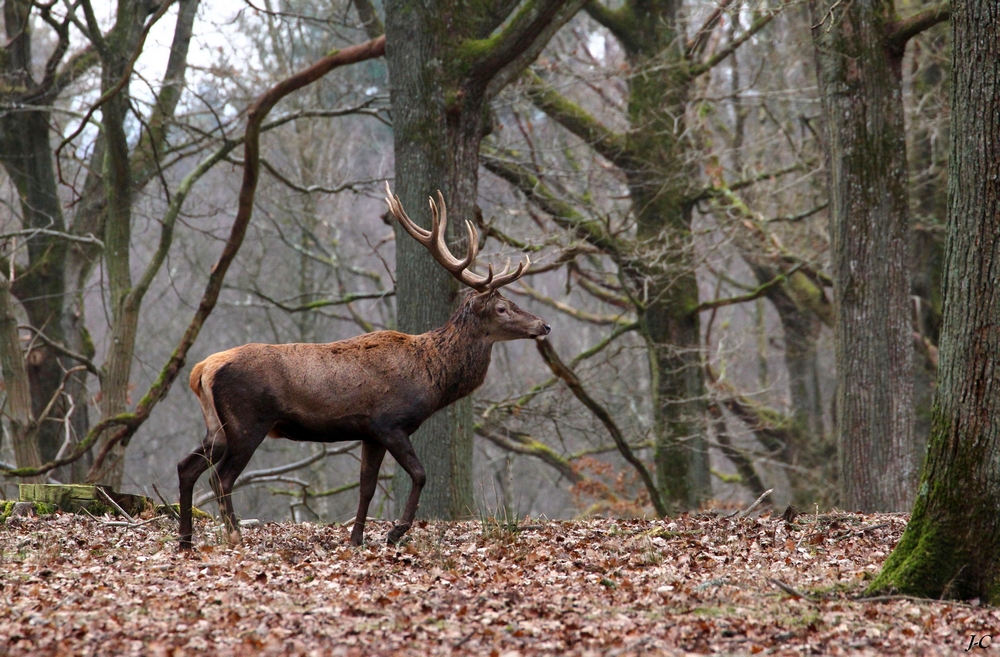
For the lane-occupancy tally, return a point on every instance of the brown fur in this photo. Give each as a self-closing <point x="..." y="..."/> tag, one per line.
<point x="377" y="388"/>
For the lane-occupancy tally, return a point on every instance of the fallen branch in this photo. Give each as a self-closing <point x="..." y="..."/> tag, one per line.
<point x="753" y="506"/>
<point x="790" y="590"/>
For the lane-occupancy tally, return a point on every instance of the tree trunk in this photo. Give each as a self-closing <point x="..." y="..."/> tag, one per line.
<point x="951" y="546"/>
<point x="432" y="153"/>
<point x="812" y="453"/>
<point x="860" y="84"/>
<point x="26" y="156"/>
<point x="120" y="43"/>
<point x="446" y="60"/>
<point x="22" y="423"/>
<point x="666" y="288"/>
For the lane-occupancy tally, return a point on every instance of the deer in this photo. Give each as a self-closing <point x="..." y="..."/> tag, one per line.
<point x="376" y="388"/>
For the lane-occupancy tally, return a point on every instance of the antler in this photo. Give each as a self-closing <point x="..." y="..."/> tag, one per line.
<point x="434" y="241"/>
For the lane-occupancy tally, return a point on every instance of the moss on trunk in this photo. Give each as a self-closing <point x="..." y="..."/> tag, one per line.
<point x="951" y="547"/>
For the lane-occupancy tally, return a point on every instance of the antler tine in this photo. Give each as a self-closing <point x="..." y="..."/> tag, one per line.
<point x="396" y="208"/>
<point x="439" y="247"/>
<point x="503" y="278"/>
<point x="434" y="239"/>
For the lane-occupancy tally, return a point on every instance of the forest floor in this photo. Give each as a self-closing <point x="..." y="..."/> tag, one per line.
<point x="699" y="584"/>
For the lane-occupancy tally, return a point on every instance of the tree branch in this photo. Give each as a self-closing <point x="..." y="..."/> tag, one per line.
<point x="582" y="315"/>
<point x="65" y="351"/>
<point x="122" y="81"/>
<point x="727" y="187"/>
<point x="522" y="443"/>
<point x="560" y="369"/>
<point x="696" y="45"/>
<point x="607" y="143"/>
<point x="756" y="293"/>
<point x="69" y="237"/>
<point x="154" y="139"/>
<point x="248" y="478"/>
<point x="903" y="30"/>
<point x="323" y="303"/>
<point x="620" y="22"/>
<point x="563" y="213"/>
<point x="721" y="55"/>
<point x="537" y="389"/>
<point x="500" y="58"/>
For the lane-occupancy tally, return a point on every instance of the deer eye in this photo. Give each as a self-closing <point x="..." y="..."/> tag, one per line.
<point x="502" y="310"/>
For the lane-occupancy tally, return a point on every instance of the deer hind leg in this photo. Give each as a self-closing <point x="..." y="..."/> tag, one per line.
<point x="229" y="469"/>
<point x="372" y="454"/>
<point x="399" y="445"/>
<point x="212" y="449"/>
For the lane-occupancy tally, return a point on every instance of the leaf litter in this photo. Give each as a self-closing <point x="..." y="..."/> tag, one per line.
<point x="696" y="584"/>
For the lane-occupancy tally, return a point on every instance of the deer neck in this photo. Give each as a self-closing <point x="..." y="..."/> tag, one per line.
<point x="461" y="358"/>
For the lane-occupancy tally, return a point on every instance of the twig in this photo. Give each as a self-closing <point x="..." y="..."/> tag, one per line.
<point x="753" y="506"/>
<point x="115" y="504"/>
<point x="466" y="638"/>
<point x="169" y="507"/>
<point x="789" y="590"/>
<point x="568" y="376"/>
<point x="62" y="349"/>
<point x="69" y="237"/>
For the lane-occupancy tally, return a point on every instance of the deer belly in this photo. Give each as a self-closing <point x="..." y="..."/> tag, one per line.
<point x="355" y="427"/>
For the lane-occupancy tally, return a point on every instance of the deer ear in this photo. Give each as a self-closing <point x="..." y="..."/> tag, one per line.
<point x="480" y="300"/>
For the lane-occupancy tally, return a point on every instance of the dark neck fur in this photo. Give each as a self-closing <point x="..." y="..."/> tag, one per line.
<point x="461" y="355"/>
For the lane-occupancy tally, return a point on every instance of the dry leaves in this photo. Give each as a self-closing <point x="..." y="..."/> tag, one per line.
<point x="697" y="584"/>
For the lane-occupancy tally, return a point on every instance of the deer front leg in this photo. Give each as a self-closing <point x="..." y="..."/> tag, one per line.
<point x="402" y="450"/>
<point x="372" y="454"/>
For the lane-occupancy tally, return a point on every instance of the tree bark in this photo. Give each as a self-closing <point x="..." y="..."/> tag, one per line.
<point x="951" y="546"/>
<point x="120" y="43"/>
<point x="19" y="412"/>
<point x="861" y="88"/>
<point x="665" y="288"/>
<point x="26" y="156"/>
<point x="431" y="153"/>
<point x="446" y="61"/>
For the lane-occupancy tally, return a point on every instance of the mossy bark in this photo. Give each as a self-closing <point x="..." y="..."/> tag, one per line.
<point x="446" y="60"/>
<point x="120" y="43"/>
<point x="951" y="546"/>
<point x="662" y="274"/>
<point x="860" y="83"/>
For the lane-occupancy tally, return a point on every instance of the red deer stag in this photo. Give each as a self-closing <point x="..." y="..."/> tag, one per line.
<point x="376" y="388"/>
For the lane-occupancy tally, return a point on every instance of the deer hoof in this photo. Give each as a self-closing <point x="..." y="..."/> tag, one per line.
<point x="396" y="533"/>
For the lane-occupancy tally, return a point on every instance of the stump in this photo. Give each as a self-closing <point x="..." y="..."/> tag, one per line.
<point x="73" y="497"/>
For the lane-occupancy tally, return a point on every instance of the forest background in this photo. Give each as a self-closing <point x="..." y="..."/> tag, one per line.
<point x="672" y="179"/>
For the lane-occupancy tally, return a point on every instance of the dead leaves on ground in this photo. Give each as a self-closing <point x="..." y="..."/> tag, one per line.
<point x="697" y="584"/>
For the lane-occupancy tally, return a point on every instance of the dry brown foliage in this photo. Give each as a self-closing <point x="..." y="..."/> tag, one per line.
<point x="72" y="585"/>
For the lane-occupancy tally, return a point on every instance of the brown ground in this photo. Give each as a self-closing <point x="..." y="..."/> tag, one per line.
<point x="72" y="585"/>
